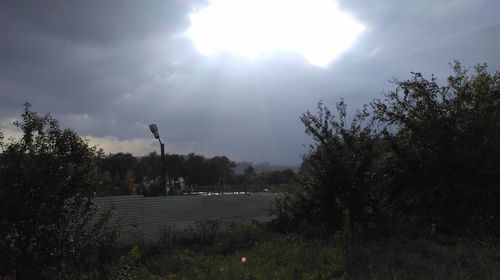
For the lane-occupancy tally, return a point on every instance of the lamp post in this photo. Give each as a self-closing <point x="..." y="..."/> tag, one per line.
<point x="163" y="183"/>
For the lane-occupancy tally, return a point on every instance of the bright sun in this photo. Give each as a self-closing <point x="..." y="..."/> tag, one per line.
<point x="314" y="28"/>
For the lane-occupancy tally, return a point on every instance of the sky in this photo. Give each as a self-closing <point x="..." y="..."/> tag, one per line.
<point x="107" y="69"/>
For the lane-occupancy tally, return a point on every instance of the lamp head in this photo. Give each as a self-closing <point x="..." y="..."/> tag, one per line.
<point x="154" y="130"/>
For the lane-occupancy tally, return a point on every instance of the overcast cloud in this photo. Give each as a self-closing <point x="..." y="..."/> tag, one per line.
<point x="109" y="68"/>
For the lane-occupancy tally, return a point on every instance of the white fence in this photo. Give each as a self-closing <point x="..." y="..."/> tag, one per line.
<point x="144" y="217"/>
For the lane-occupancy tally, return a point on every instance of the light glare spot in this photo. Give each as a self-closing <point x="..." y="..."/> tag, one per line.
<point x="314" y="28"/>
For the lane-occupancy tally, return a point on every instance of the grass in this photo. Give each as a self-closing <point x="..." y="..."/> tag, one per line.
<point x="205" y="253"/>
<point x="271" y="259"/>
<point x="424" y="258"/>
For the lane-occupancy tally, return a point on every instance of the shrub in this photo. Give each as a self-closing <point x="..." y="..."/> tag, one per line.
<point x="48" y="179"/>
<point x="444" y="148"/>
<point x="337" y="173"/>
<point x="426" y="154"/>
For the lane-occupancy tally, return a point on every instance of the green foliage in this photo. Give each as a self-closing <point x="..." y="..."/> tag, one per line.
<point x="443" y="148"/>
<point x="48" y="179"/>
<point x="426" y="154"/>
<point x="96" y="246"/>
<point x="130" y="267"/>
<point x="120" y="169"/>
<point x="195" y="170"/>
<point x="338" y="173"/>
<point x="271" y="255"/>
<point x="174" y="166"/>
<point x="249" y="172"/>
<point x="278" y="177"/>
<point x="124" y="174"/>
<point x="271" y="180"/>
<point x="404" y="258"/>
<point x="220" y="168"/>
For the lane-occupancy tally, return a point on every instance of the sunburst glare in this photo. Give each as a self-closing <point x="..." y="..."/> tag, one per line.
<point x="316" y="29"/>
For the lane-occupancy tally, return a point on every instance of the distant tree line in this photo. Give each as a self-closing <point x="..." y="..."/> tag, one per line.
<point x="424" y="154"/>
<point x="124" y="174"/>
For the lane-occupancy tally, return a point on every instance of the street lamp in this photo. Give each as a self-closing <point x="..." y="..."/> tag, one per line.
<point x="163" y="183"/>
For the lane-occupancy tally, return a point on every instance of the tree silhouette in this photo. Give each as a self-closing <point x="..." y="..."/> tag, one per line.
<point x="48" y="179"/>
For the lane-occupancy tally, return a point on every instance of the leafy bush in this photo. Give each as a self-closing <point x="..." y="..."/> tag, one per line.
<point x="338" y="173"/>
<point x="130" y="267"/>
<point x="443" y="148"/>
<point x="47" y="223"/>
<point x="426" y="154"/>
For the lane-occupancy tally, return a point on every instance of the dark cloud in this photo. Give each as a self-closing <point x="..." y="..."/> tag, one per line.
<point x="109" y="68"/>
<point x="82" y="55"/>
<point x="94" y="22"/>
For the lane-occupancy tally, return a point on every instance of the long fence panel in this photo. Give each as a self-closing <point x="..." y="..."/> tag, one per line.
<point x="144" y="217"/>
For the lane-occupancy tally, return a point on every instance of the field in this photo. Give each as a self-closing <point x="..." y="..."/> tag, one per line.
<point x="205" y="253"/>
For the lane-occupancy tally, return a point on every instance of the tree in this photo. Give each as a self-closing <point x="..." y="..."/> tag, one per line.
<point x="444" y="145"/>
<point x="193" y="170"/>
<point x="251" y="178"/>
<point x="220" y="168"/>
<point x="433" y="159"/>
<point x="120" y="166"/>
<point x="249" y="172"/>
<point x="149" y="170"/>
<point x="338" y="172"/>
<point x="130" y="185"/>
<point x="278" y="177"/>
<point x="174" y="168"/>
<point x="48" y="179"/>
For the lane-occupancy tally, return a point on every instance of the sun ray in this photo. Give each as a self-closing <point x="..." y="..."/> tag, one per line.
<point x="317" y="29"/>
